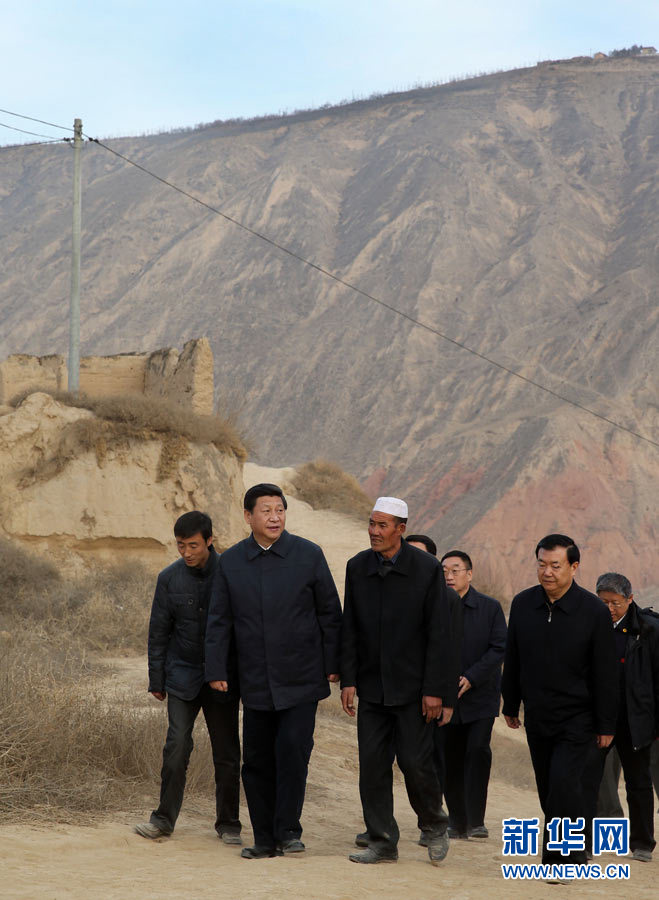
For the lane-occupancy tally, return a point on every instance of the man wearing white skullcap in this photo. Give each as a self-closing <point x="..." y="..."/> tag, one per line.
<point x="397" y="656"/>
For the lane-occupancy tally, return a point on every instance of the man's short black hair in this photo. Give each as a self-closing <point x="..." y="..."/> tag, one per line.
<point x="466" y="559"/>
<point x="552" y="541"/>
<point x="262" y="490"/>
<point x="192" y="523"/>
<point x="427" y="542"/>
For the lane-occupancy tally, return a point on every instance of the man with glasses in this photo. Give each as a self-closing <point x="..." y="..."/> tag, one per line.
<point x="561" y="663"/>
<point x="466" y="739"/>
<point x="637" y="651"/>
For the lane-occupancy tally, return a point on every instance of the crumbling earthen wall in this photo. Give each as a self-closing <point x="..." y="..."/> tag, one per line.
<point x="184" y="377"/>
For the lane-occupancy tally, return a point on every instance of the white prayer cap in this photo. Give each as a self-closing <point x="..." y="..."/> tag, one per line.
<point x="392" y="506"/>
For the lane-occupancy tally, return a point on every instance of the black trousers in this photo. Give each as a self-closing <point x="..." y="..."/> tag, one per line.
<point x="378" y="728"/>
<point x="608" y="801"/>
<point x="559" y="767"/>
<point x="222" y="722"/>
<point x="638" y="784"/>
<point x="277" y="745"/>
<point x="468" y="760"/>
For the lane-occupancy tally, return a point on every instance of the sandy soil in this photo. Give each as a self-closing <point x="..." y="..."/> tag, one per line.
<point x="109" y="861"/>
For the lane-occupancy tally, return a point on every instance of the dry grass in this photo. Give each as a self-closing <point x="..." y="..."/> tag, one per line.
<point x="67" y="748"/>
<point x="324" y="485"/>
<point x="69" y="745"/>
<point x="105" y="609"/>
<point x="120" y="420"/>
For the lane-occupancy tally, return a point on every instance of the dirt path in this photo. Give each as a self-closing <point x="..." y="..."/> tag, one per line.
<point x="108" y="861"/>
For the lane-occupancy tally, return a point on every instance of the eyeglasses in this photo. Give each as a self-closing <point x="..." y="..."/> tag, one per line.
<point x="452" y="571"/>
<point x="616" y="604"/>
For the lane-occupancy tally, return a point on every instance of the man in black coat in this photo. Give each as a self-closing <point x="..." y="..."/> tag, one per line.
<point x="275" y="593"/>
<point x="176" y="671"/>
<point x="637" y="663"/>
<point x="397" y="656"/>
<point x="467" y="753"/>
<point x="560" y="662"/>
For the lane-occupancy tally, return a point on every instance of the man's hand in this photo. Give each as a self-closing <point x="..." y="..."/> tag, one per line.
<point x="463" y="686"/>
<point x="431" y="708"/>
<point x="333" y="678"/>
<point x="604" y="740"/>
<point x="159" y="695"/>
<point x="219" y="685"/>
<point x="445" y="718"/>
<point x="512" y="721"/>
<point x="348" y="700"/>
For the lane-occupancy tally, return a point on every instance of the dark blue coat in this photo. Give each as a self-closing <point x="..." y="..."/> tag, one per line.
<point x="285" y="612"/>
<point x="483" y="649"/>
<point x="397" y="640"/>
<point x="177" y="628"/>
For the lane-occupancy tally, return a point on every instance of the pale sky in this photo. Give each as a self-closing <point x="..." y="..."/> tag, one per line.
<point x="131" y="67"/>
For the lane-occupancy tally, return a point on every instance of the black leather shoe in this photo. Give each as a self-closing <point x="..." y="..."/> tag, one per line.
<point x="232" y="838"/>
<point x="437" y="848"/>
<point x="258" y="852"/>
<point x="294" y="845"/>
<point x="370" y="855"/>
<point x="361" y="840"/>
<point x="456" y="835"/>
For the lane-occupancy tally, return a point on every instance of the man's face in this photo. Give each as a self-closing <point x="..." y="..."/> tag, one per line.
<point x="418" y="545"/>
<point x="457" y="575"/>
<point x="194" y="550"/>
<point x="267" y="520"/>
<point x="555" y="573"/>
<point x="386" y="533"/>
<point x="618" y="605"/>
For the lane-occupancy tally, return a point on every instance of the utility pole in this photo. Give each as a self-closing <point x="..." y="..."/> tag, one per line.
<point x="74" y="309"/>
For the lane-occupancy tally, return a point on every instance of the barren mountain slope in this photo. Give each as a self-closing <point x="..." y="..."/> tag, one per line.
<point x="516" y="213"/>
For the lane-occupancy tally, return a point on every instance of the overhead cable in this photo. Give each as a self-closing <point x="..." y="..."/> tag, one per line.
<point x="352" y="287"/>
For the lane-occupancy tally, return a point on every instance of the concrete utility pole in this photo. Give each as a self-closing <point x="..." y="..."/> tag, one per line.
<point x="74" y="313"/>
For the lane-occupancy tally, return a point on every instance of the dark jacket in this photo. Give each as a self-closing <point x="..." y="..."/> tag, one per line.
<point x="177" y="628"/>
<point x="641" y="675"/>
<point x="483" y="648"/>
<point x="284" y="609"/>
<point x="397" y="642"/>
<point x="561" y="663"/>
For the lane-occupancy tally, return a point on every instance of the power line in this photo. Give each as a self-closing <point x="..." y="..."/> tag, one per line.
<point x="32" y="119"/>
<point x="374" y="299"/>
<point x="23" y="131"/>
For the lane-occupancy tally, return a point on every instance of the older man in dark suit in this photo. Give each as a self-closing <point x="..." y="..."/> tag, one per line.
<point x="397" y="656"/>
<point x="467" y="752"/>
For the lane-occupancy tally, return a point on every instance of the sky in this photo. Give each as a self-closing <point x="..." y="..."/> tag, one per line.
<point x="133" y="67"/>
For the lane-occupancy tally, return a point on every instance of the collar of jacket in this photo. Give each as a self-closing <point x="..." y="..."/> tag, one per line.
<point x="206" y="569"/>
<point x="402" y="566"/>
<point x="280" y="547"/>
<point x="568" y="603"/>
<point x="469" y="598"/>
<point x="634" y="621"/>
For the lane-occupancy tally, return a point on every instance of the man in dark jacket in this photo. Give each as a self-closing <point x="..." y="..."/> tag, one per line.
<point x="275" y="592"/>
<point x="398" y="657"/>
<point x="637" y="653"/>
<point x="176" y="671"/>
<point x="467" y="753"/>
<point x="560" y="662"/>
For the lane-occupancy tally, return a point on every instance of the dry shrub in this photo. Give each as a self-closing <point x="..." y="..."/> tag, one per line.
<point x="67" y="746"/>
<point x="107" y="608"/>
<point x="324" y="485"/>
<point x="120" y="420"/>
